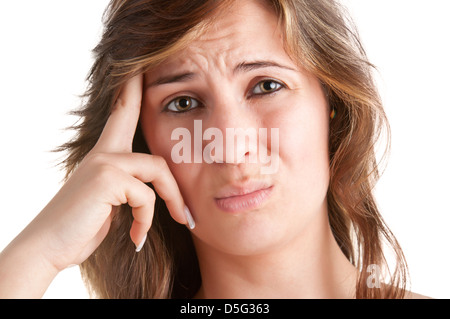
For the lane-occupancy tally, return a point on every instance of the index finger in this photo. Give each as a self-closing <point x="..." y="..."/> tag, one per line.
<point x="119" y="130"/>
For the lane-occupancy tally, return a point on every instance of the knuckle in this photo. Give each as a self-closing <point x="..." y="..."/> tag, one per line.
<point x="105" y="174"/>
<point x="160" y="162"/>
<point x="122" y="103"/>
<point x="101" y="167"/>
<point x="98" y="169"/>
<point x="95" y="159"/>
<point x="151" y="194"/>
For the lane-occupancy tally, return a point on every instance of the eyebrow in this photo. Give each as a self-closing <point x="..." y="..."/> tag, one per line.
<point x="183" y="77"/>
<point x="250" y="66"/>
<point x="241" y="67"/>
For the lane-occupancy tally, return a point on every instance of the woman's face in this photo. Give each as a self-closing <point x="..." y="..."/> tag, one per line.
<point x="237" y="75"/>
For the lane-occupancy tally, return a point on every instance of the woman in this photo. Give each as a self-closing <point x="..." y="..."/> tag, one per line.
<point x="294" y="73"/>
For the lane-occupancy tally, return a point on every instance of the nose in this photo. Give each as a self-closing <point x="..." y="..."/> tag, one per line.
<point x="234" y="127"/>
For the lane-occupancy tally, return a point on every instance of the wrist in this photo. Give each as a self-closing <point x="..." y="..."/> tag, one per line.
<point x="25" y="272"/>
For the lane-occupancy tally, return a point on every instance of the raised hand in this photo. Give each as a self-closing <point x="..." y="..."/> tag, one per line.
<point x="77" y="219"/>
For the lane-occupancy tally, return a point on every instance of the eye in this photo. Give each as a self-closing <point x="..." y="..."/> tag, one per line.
<point x="182" y="104"/>
<point x="267" y="87"/>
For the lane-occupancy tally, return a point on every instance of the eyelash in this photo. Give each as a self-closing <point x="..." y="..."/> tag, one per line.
<point x="278" y="86"/>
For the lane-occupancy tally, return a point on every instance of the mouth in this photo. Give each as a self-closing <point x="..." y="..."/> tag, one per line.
<point x="251" y="196"/>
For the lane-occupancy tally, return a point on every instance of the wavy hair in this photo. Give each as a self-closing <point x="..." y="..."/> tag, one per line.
<point x="138" y="35"/>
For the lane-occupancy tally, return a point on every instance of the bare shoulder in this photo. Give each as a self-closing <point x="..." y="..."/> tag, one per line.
<point x="413" y="295"/>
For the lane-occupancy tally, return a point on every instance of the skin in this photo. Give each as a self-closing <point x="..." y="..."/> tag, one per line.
<point x="77" y="219"/>
<point x="284" y="248"/>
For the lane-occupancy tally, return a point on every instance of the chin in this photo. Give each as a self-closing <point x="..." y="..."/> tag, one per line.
<point x="249" y="234"/>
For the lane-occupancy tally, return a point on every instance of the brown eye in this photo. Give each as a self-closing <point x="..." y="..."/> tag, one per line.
<point x="267" y="86"/>
<point x="182" y="104"/>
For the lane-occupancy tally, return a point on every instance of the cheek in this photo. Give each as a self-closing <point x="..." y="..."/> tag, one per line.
<point x="304" y="134"/>
<point x="186" y="175"/>
<point x="158" y="139"/>
<point x="157" y="132"/>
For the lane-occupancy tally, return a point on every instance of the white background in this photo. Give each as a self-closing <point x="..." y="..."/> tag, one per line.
<point x="45" y="55"/>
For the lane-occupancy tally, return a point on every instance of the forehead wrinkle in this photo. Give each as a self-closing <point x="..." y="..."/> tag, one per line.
<point x="220" y="46"/>
<point x="210" y="60"/>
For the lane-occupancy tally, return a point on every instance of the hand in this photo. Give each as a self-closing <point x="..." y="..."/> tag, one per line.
<point x="78" y="218"/>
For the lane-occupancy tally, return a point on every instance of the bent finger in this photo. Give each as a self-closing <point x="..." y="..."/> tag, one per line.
<point x="151" y="169"/>
<point x="141" y="199"/>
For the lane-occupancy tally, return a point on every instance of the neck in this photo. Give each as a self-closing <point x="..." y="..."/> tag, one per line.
<point x="310" y="266"/>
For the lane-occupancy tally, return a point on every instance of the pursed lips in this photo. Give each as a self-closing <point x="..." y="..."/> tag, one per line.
<point x="243" y="197"/>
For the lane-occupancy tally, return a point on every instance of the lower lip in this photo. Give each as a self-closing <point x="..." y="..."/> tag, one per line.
<point x="242" y="203"/>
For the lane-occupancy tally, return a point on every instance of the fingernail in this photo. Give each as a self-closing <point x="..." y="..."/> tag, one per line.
<point x="189" y="218"/>
<point x="139" y="247"/>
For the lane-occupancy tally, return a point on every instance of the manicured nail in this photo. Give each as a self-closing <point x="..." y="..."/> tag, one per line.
<point x="189" y="218"/>
<point x="139" y="247"/>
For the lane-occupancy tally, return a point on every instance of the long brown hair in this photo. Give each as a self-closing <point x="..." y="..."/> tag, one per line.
<point x="138" y="35"/>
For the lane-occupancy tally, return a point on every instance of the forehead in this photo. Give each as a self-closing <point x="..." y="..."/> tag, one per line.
<point x="240" y="22"/>
<point x="246" y="30"/>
